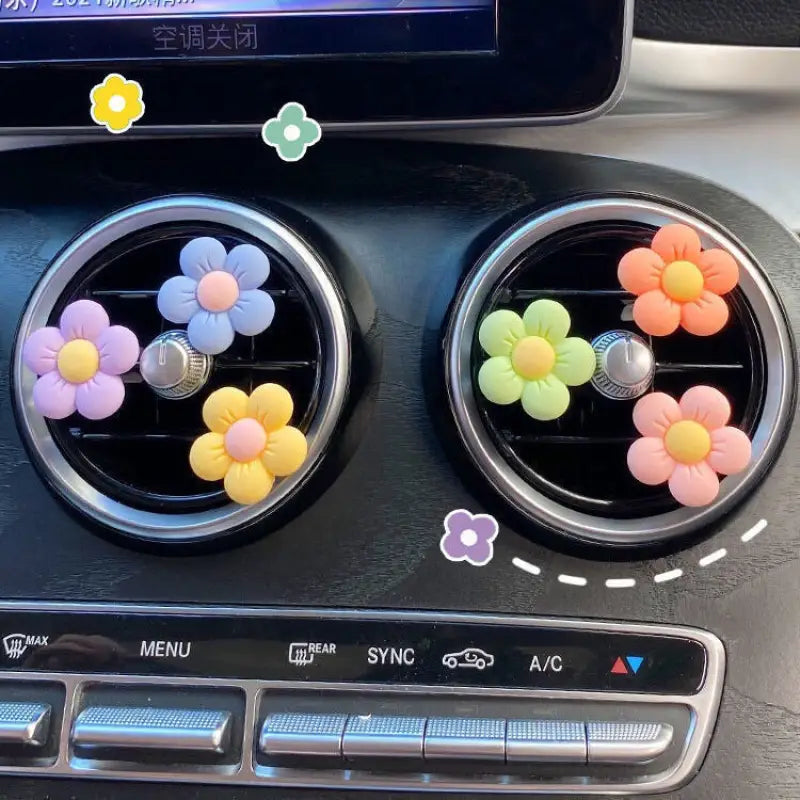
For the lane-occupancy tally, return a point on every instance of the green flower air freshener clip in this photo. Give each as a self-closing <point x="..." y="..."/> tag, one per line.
<point x="533" y="360"/>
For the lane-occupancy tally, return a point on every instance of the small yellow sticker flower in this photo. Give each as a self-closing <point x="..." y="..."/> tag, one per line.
<point x="117" y="103"/>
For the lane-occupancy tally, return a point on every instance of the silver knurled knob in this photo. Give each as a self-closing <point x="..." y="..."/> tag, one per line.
<point x="625" y="365"/>
<point x="172" y="367"/>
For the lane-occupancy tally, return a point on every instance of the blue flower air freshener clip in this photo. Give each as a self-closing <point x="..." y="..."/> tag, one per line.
<point x="218" y="296"/>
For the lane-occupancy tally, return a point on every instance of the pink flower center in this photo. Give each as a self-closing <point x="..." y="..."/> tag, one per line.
<point x="217" y="291"/>
<point x="245" y="440"/>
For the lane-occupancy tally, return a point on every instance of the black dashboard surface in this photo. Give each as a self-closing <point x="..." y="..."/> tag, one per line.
<point x="401" y="223"/>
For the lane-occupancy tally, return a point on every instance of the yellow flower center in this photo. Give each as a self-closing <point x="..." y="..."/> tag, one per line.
<point x="687" y="441"/>
<point x="533" y="358"/>
<point x="682" y="281"/>
<point x="78" y="361"/>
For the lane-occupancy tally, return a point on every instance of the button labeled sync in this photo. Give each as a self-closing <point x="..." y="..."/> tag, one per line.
<point x="394" y="656"/>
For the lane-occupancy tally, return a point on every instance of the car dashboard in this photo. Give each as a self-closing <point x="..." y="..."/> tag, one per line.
<point x="383" y="419"/>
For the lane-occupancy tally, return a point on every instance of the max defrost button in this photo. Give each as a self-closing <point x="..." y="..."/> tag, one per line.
<point x="462" y="738"/>
<point x="381" y="736"/>
<point x="314" y="735"/>
<point x="24" y="723"/>
<point x="552" y="741"/>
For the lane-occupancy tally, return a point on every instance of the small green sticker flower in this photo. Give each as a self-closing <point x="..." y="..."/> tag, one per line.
<point x="292" y="132"/>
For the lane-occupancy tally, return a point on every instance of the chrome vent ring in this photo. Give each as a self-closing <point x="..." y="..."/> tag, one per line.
<point x="634" y="520"/>
<point x="198" y="514"/>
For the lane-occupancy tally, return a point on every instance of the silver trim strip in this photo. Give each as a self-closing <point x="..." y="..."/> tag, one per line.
<point x="311" y="270"/>
<point x="535" y="505"/>
<point x="336" y="127"/>
<point x="703" y="707"/>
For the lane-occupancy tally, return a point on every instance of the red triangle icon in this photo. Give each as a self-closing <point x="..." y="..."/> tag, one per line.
<point x="619" y="668"/>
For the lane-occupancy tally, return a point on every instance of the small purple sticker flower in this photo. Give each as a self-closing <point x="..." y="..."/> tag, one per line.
<point x="469" y="537"/>
<point x="80" y="362"/>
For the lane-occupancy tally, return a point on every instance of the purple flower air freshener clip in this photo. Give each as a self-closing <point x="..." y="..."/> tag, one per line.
<point x="469" y="537"/>
<point x="80" y="363"/>
<point x="218" y="294"/>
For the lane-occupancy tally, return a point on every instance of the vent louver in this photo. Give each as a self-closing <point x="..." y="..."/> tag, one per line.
<point x="138" y="458"/>
<point x="571" y="473"/>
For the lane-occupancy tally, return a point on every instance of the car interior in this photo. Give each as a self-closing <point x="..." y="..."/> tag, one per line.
<point x="399" y="399"/>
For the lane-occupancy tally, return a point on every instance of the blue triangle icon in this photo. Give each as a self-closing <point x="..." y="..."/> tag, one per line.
<point x="634" y="662"/>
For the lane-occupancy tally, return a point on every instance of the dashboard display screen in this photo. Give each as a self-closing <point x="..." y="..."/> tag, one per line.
<point x="91" y="30"/>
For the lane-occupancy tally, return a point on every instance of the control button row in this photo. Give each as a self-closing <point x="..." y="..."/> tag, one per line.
<point x="436" y="738"/>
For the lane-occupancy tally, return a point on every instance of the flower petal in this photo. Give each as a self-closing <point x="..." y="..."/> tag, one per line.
<point x="249" y="265"/>
<point x="53" y="397"/>
<point x="208" y="457"/>
<point x="248" y="483"/>
<point x="656" y="314"/>
<point x="210" y="333"/>
<point x="649" y="461"/>
<point x="485" y="526"/>
<point x="705" y="316"/>
<point x="654" y="413"/>
<point x="223" y="407"/>
<point x="100" y="397"/>
<point x="694" y="485"/>
<point x="548" y="319"/>
<point x="252" y="313"/>
<point x="310" y="132"/>
<point x="706" y="405"/>
<point x="285" y="452"/>
<point x="640" y="270"/>
<point x="271" y="405"/>
<point x="677" y="243"/>
<point x="40" y="352"/>
<point x="720" y="270"/>
<point x="730" y="451"/>
<point x="498" y="382"/>
<point x="177" y="299"/>
<point x="457" y="521"/>
<point x="83" y="319"/>
<point x="575" y="361"/>
<point x="545" y="399"/>
<point x="202" y="255"/>
<point x="119" y="350"/>
<point x="500" y="331"/>
<point x="452" y="547"/>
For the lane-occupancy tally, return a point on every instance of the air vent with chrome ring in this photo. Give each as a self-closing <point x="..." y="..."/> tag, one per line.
<point x="130" y="468"/>
<point x="570" y="472"/>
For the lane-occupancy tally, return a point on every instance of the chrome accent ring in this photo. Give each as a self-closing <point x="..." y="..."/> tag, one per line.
<point x="533" y="504"/>
<point x="204" y="525"/>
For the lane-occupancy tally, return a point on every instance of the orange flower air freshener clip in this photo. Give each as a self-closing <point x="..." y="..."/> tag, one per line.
<point x="677" y="283"/>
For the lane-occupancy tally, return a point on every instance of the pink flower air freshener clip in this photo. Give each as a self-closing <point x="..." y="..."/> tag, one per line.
<point x="80" y="363"/>
<point x="687" y="443"/>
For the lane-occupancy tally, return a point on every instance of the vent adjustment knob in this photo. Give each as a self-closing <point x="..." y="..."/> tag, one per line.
<point x="172" y="368"/>
<point x="625" y="365"/>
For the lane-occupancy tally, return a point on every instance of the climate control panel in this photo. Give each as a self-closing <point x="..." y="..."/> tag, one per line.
<point x="308" y="697"/>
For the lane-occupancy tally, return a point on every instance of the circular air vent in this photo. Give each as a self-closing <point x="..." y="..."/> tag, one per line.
<point x="570" y="474"/>
<point x="130" y="471"/>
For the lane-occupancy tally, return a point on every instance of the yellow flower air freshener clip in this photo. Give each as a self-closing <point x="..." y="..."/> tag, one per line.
<point x="532" y="360"/>
<point x="250" y="443"/>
